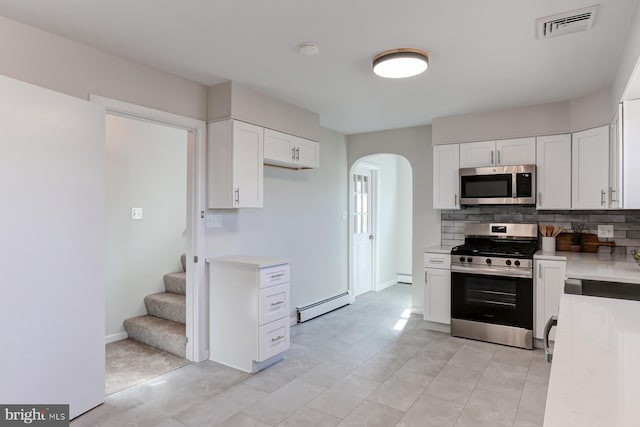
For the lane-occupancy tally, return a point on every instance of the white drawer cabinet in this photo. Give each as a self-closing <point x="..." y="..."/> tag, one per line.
<point x="249" y="311"/>
<point x="274" y="303"/>
<point x="437" y="287"/>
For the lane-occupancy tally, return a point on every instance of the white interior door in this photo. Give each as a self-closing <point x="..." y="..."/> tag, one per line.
<point x="362" y="232"/>
<point x="52" y="226"/>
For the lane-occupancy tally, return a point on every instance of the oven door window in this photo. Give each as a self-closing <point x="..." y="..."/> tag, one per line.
<point x="486" y="186"/>
<point x="492" y="299"/>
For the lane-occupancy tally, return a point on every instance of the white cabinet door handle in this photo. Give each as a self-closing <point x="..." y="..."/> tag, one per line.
<point x="498" y="156"/>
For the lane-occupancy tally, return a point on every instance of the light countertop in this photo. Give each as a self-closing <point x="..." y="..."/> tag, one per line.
<point x="596" y="266"/>
<point x="254" y="261"/>
<point x="438" y="249"/>
<point x="595" y="375"/>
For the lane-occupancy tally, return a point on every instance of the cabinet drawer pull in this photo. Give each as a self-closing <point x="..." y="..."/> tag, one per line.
<point x="436" y="261"/>
<point x="275" y="276"/>
<point x="278" y="338"/>
<point x="276" y="303"/>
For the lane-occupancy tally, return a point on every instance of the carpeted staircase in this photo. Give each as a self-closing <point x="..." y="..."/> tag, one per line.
<point x="164" y="325"/>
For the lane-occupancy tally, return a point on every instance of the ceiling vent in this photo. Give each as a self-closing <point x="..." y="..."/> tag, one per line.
<point x="566" y="23"/>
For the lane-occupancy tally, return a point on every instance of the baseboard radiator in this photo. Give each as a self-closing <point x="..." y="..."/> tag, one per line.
<point x="321" y="307"/>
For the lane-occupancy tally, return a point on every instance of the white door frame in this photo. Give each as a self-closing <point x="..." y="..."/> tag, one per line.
<point x="374" y="223"/>
<point x="196" y="169"/>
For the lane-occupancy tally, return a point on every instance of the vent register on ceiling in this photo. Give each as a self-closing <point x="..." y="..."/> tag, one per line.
<point x="566" y="23"/>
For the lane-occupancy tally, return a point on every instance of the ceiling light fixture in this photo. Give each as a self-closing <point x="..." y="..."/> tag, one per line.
<point x="400" y="63"/>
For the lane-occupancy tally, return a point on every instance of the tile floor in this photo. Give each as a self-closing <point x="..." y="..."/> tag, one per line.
<point x="368" y="364"/>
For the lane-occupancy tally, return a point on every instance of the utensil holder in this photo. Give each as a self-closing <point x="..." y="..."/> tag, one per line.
<point x="548" y="244"/>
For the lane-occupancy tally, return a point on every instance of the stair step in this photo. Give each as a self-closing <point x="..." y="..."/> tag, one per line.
<point x="159" y="333"/>
<point x="176" y="283"/>
<point x="166" y="306"/>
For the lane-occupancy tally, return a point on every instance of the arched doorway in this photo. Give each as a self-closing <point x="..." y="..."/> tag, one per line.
<point x="380" y="226"/>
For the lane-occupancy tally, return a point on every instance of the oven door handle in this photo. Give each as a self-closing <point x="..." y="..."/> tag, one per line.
<point x="487" y="271"/>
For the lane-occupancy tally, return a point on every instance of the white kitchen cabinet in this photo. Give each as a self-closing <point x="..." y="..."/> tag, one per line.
<point x="446" y="176"/>
<point x="553" y="172"/>
<point x="519" y="151"/>
<point x="249" y="311"/>
<point x="631" y="153"/>
<point x="549" y="287"/>
<point x="477" y="154"/>
<point x="437" y="292"/>
<point x="234" y="165"/>
<point x="590" y="168"/>
<point x="615" y="162"/>
<point x="281" y="149"/>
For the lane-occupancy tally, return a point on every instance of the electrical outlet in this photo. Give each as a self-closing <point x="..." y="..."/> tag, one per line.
<point x="136" y="213"/>
<point x="213" y="221"/>
<point x="605" y="231"/>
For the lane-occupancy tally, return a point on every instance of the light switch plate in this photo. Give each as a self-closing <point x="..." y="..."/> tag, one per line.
<point x="605" y="231"/>
<point x="213" y="220"/>
<point x="136" y="213"/>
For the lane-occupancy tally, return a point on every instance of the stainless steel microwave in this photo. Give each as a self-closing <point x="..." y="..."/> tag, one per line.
<point x="498" y="185"/>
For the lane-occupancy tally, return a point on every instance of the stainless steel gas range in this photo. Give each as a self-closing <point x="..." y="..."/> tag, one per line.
<point x="492" y="284"/>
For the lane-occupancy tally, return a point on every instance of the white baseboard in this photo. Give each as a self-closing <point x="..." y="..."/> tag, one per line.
<point x="405" y="278"/>
<point x="115" y="337"/>
<point x="385" y="285"/>
<point x="293" y="320"/>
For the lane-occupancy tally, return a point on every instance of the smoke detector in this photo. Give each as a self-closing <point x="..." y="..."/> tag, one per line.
<point x="308" y="49"/>
<point x="566" y="23"/>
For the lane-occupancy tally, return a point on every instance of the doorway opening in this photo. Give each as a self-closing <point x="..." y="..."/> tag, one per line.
<point x="380" y="226"/>
<point x="154" y="282"/>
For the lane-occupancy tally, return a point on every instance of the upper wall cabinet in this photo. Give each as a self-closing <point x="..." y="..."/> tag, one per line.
<point x="590" y="168"/>
<point x="615" y="162"/>
<point x="631" y="153"/>
<point x="446" y="177"/>
<point x="553" y="172"/>
<point x="520" y="151"/>
<point x="281" y="149"/>
<point x="234" y="165"/>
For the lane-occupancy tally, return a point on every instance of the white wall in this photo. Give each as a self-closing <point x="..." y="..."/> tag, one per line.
<point x="302" y="220"/>
<point x="50" y="61"/>
<point x="146" y="166"/>
<point x="546" y="119"/>
<point x="414" y="144"/>
<point x="628" y="62"/>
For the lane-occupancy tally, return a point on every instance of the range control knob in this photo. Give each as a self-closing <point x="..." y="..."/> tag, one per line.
<point x="508" y="262"/>
<point x="517" y="263"/>
<point x="462" y="259"/>
<point x="488" y="261"/>
<point x="469" y="259"/>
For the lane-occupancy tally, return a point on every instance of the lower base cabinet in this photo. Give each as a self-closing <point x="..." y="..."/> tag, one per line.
<point x="437" y="290"/>
<point x="549" y="287"/>
<point x="249" y="311"/>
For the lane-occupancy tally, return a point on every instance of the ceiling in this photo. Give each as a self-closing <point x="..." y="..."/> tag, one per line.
<point x="484" y="54"/>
